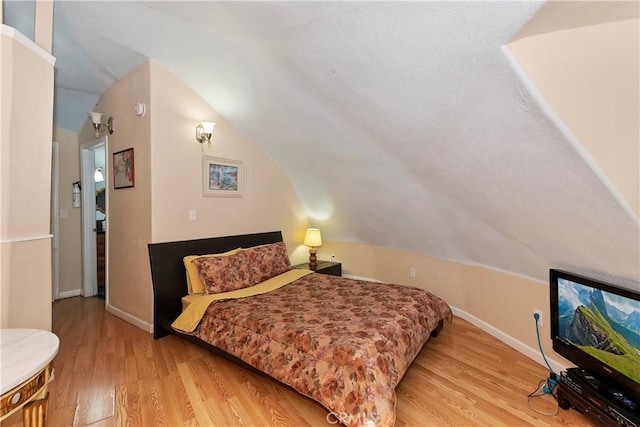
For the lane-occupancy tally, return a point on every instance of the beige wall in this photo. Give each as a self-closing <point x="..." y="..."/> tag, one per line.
<point x="269" y="201"/>
<point x="589" y="76"/>
<point x="168" y="183"/>
<point x="70" y="245"/>
<point x="561" y="15"/>
<point x="25" y="173"/>
<point x="129" y="209"/>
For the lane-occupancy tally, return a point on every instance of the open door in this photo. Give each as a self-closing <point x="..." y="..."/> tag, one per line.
<point x="92" y="226"/>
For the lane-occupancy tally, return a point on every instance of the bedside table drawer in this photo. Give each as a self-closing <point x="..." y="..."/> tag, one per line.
<point x="324" y="267"/>
<point x="331" y="270"/>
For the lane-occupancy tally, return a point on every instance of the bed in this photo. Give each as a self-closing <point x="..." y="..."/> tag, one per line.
<point x="344" y="343"/>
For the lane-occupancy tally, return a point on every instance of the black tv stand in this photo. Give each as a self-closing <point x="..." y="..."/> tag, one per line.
<point x="600" y="403"/>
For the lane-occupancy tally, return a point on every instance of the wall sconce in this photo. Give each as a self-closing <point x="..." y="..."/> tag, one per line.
<point x="98" y="176"/>
<point x="96" y="120"/>
<point x="75" y="194"/>
<point x="204" y="131"/>
<point x="313" y="239"/>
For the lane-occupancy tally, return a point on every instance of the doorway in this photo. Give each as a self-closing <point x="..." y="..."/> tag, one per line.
<point x="93" y="179"/>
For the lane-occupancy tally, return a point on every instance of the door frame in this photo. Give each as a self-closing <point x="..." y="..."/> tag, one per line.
<point x="55" y="220"/>
<point x="88" y="217"/>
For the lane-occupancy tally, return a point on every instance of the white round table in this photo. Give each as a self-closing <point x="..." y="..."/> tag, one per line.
<point x="25" y="372"/>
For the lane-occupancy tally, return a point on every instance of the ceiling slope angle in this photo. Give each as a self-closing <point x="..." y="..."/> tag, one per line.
<point x="424" y="138"/>
<point x="87" y="62"/>
<point x="400" y="125"/>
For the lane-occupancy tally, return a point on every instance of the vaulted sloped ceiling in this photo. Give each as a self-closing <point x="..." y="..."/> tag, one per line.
<point x="400" y="125"/>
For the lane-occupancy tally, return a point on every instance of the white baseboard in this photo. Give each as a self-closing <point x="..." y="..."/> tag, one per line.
<point x="531" y="353"/>
<point x="367" y="279"/>
<point x="127" y="317"/>
<point x="70" y="294"/>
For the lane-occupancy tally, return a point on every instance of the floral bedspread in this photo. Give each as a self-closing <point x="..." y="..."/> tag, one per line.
<point x="342" y="342"/>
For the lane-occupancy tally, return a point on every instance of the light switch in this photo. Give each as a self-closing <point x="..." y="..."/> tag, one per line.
<point x="192" y="214"/>
<point x="64" y="213"/>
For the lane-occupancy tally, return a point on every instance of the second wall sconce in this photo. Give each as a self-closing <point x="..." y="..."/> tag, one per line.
<point x="204" y="131"/>
<point x="96" y="121"/>
<point x="98" y="176"/>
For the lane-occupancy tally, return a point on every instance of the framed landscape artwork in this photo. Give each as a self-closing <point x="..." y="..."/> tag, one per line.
<point x="222" y="177"/>
<point x="123" y="169"/>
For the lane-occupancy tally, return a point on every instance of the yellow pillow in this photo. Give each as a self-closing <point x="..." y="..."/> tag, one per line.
<point x="194" y="284"/>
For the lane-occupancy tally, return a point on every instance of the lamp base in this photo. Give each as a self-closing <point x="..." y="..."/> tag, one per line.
<point x="312" y="259"/>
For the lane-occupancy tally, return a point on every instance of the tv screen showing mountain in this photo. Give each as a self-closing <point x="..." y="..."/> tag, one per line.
<point x="605" y="325"/>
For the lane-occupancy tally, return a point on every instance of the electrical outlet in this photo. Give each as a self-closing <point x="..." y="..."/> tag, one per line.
<point x="333" y="258"/>
<point x="192" y="214"/>
<point x="540" y="318"/>
<point x="412" y="272"/>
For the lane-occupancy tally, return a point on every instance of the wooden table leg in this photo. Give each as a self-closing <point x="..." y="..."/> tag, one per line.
<point x="34" y="414"/>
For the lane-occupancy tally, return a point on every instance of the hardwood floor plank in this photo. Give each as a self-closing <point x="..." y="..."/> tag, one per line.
<point x="147" y="407"/>
<point x="132" y="412"/>
<point x="95" y="403"/>
<point x="193" y="395"/>
<point x="304" y="411"/>
<point x="163" y="412"/>
<point x="208" y="373"/>
<point x="77" y="381"/>
<point x="111" y="373"/>
<point x="121" y="406"/>
<point x="269" y="400"/>
<point x="175" y="398"/>
<point x="62" y="416"/>
<point x="221" y="413"/>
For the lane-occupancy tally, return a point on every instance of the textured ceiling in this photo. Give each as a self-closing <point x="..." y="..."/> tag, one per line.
<point x="400" y="125"/>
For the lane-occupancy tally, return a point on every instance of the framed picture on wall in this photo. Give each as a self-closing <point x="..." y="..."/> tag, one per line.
<point x="124" y="175"/>
<point x="222" y="177"/>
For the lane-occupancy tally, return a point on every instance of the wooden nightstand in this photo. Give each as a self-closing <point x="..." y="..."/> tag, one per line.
<point x="324" y="267"/>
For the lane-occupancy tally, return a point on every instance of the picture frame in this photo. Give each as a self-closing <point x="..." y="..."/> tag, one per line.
<point x="222" y="177"/>
<point x="124" y="175"/>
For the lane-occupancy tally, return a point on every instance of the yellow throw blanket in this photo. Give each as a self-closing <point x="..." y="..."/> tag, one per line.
<point x="193" y="312"/>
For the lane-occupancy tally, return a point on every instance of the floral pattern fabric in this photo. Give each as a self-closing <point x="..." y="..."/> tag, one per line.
<point x="267" y="261"/>
<point x="248" y="267"/>
<point x="223" y="273"/>
<point x="342" y="342"/>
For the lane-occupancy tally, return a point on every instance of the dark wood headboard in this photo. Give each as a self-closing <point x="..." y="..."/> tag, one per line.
<point x="168" y="272"/>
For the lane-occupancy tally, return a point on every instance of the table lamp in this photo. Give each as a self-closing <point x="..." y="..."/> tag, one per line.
<point x="313" y="239"/>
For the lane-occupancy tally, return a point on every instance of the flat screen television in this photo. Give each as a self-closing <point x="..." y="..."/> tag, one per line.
<point x="597" y="326"/>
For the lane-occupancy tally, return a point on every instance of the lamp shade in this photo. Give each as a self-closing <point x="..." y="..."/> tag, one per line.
<point x="208" y="127"/>
<point x="96" y="118"/>
<point x="313" y="238"/>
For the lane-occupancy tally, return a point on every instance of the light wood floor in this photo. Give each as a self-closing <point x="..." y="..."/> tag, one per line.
<point x="110" y="373"/>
